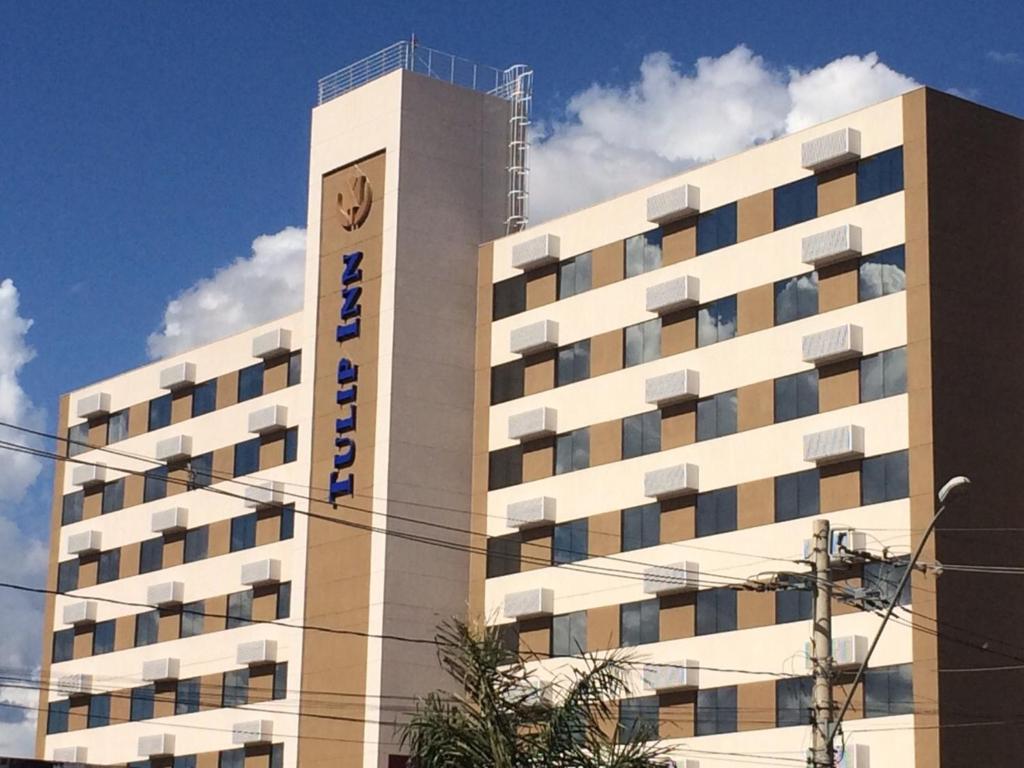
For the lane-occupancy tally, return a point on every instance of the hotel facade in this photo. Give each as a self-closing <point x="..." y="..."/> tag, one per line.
<point x="610" y="430"/>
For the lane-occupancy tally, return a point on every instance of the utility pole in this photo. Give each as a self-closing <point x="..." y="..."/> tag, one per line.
<point x="821" y="651"/>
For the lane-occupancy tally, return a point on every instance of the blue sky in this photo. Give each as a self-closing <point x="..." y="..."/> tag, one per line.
<point x="145" y="145"/>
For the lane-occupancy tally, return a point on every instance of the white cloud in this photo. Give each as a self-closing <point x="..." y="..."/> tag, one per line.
<point x="249" y="291"/>
<point x="614" y="139"/>
<point x="1004" y="57"/>
<point x="22" y="557"/>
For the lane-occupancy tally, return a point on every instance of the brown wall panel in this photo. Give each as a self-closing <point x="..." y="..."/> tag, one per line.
<point x="133" y="488"/>
<point x="268" y="526"/>
<point x="605" y="532"/>
<point x="181" y="406"/>
<point x="678" y="332"/>
<point x="605" y="442"/>
<point x="838" y="385"/>
<point x="755" y="503"/>
<point x="677" y="715"/>
<point x="272" y="451"/>
<point x="88" y="568"/>
<point x="535" y="636"/>
<point x="227" y="389"/>
<point x="755" y="405"/>
<point x="124" y="633"/>
<point x="837" y="286"/>
<point x="678" y="425"/>
<point x="608" y="263"/>
<point x="212" y="687"/>
<point x="275" y="375"/>
<point x="120" y="706"/>
<point x="174" y="550"/>
<point x="755" y="703"/>
<point x="219" y="538"/>
<point x="837" y="189"/>
<point x="82" y="644"/>
<point x="840" y="486"/>
<point x="755" y="609"/>
<point x="679" y="241"/>
<point x="264" y="603"/>
<point x="677" y="616"/>
<point x="678" y="519"/>
<point x="536" y="548"/>
<point x="755" y="215"/>
<point x="538" y="459"/>
<point x="130" y="560"/>
<point x="542" y="286"/>
<point x="138" y="419"/>
<point x="539" y="373"/>
<point x="169" y="625"/>
<point x="755" y="309"/>
<point x="606" y="353"/>
<point x="92" y="503"/>
<point x="603" y="628"/>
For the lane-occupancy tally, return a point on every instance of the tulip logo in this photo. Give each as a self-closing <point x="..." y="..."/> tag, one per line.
<point x="354" y="207"/>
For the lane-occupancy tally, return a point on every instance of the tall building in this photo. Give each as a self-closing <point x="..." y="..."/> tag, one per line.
<point x="597" y="433"/>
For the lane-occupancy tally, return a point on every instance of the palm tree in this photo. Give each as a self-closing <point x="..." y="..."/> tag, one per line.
<point x="502" y="717"/>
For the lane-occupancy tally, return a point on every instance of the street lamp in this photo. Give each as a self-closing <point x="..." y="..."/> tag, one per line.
<point x="953" y="487"/>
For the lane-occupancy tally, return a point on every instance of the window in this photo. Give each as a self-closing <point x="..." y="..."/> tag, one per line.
<point x="250" y="382"/>
<point x="507" y="381"/>
<point x="247" y="457"/>
<point x="570" y="542"/>
<point x="641" y="342"/>
<point x="641" y="527"/>
<point x="200" y="471"/>
<point x="236" y="688"/>
<point x="638" y="623"/>
<point x="503" y="554"/>
<point x="186" y="697"/>
<point x="573" y="363"/>
<point x="117" y="426"/>
<point x="239" y="609"/>
<point x="141" y="707"/>
<point x="57" y="716"/>
<point x="204" y="398"/>
<point x="280" y="681"/>
<point x="793" y="605"/>
<point x="888" y="691"/>
<point x="795" y="202"/>
<point x="574" y="276"/>
<point x="796" y="298"/>
<point x="71" y="508"/>
<point x="284" y="600"/>
<point x="291" y="444"/>
<point x="196" y="540"/>
<point x="797" y="495"/>
<point x="103" y="637"/>
<point x="276" y="756"/>
<point x="716" y="228"/>
<point x="880" y="175"/>
<point x="881" y="274"/>
<point x="113" y="496"/>
<point x="295" y="368"/>
<point x="99" y="711"/>
<point x="67" y="575"/>
<point x="716" y="512"/>
<point x="643" y="253"/>
<point x="63" y="645"/>
<point x="641" y="434"/>
<point x="796" y="396"/>
<point x="109" y="566"/>
<point x="184" y="761"/>
<point x="192" y="618"/>
<point x="883" y="375"/>
<point x="569" y="634"/>
<point x="243" y="532"/>
<point x="884" y="478"/>
<point x="638" y="719"/>
<point x="716" y="711"/>
<point x="78" y="439"/>
<point x="509" y="297"/>
<point x="146" y="627"/>
<point x="151" y="555"/>
<point x="716" y="321"/>
<point x="716" y="416"/>
<point x="881" y="580"/>
<point x="793" y="701"/>
<point x="572" y="451"/>
<point x="232" y="758"/>
<point x="505" y="467"/>
<point x="287" y="529"/>
<point x="716" y="611"/>
<point x="159" y="412"/>
<point x="155" y="484"/>
<point x="507" y="636"/>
